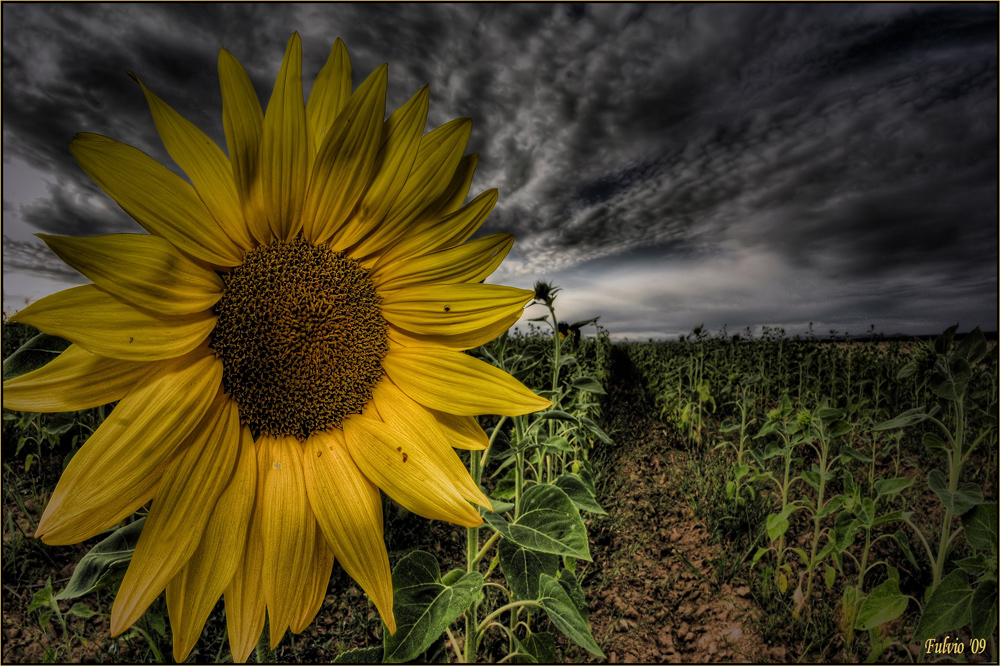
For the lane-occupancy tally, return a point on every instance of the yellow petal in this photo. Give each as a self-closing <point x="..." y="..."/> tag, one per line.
<point x="103" y="325"/>
<point x="452" y="309"/>
<point x="459" y="384"/>
<point x="159" y="200"/>
<point x="315" y="584"/>
<point x="452" y="198"/>
<point x="193" y="592"/>
<point x="245" y="602"/>
<point x="184" y="502"/>
<point x="431" y="235"/>
<point x="416" y="484"/>
<point x="348" y="508"/>
<point x="470" y="262"/>
<point x="285" y="147"/>
<point x="205" y="165"/>
<point x="400" y="338"/>
<point x="437" y="158"/>
<point x="76" y="379"/>
<point x="243" y="121"/>
<point x="409" y="457"/>
<point x="461" y="432"/>
<point x="329" y="94"/>
<point x="400" y="142"/>
<point x="118" y="468"/>
<point x="144" y="270"/>
<point x="346" y="160"/>
<point x="289" y="534"/>
<point x="421" y="426"/>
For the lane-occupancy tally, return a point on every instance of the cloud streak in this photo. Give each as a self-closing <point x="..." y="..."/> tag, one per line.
<point x="851" y="148"/>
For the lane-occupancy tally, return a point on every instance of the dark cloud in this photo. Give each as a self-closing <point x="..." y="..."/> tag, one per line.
<point x="848" y="145"/>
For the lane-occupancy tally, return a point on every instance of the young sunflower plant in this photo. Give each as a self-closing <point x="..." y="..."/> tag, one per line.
<point x="285" y="341"/>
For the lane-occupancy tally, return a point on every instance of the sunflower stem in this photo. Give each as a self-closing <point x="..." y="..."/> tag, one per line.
<point x="473" y="557"/>
<point x="265" y="655"/>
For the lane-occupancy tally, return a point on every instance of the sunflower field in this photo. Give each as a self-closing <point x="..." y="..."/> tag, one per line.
<point x="776" y="499"/>
<point x="292" y="424"/>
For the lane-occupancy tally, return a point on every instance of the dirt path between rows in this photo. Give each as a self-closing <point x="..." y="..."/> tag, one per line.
<point x="652" y="589"/>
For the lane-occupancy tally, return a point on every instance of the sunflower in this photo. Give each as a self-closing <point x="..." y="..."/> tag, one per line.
<point x="285" y="341"/>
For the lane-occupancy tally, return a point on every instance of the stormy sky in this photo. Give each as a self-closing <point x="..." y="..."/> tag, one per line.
<point x="667" y="165"/>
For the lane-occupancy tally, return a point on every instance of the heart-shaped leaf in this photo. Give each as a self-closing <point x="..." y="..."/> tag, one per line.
<point x="424" y="605"/>
<point x="33" y="354"/>
<point x="563" y="613"/>
<point x="883" y="604"/>
<point x="549" y="523"/>
<point x="588" y="384"/>
<point x="948" y="609"/>
<point x="958" y="502"/>
<point x="522" y="568"/>
<point x="578" y="492"/>
<point x="104" y="562"/>
<point x="886" y="487"/>
<point x="981" y="527"/>
<point x="537" y="648"/>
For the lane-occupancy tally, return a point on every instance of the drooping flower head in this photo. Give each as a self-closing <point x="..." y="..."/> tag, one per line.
<point x="285" y="341"/>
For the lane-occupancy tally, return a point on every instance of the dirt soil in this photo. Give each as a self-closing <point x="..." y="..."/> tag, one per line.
<point x="652" y="592"/>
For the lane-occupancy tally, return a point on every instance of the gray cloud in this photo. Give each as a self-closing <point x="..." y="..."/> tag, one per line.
<point x="852" y="148"/>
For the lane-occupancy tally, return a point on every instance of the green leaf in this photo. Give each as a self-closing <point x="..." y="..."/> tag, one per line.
<point x="567" y="359"/>
<point x="891" y="517"/>
<point x="549" y="523"/>
<point x="777" y="523"/>
<point x="537" y="648"/>
<point x="838" y="429"/>
<point x="563" y="613"/>
<point x="105" y="562"/>
<point x="845" y="530"/>
<point x="975" y="566"/>
<point x="883" y="604"/>
<point x="959" y="502"/>
<point x="904" y="545"/>
<point x="981" y="527"/>
<point x="81" y="610"/>
<point x="907" y="418"/>
<point x="984" y="609"/>
<point x="830" y="577"/>
<point x="972" y="347"/>
<point x="522" y="567"/>
<point x="832" y="506"/>
<point x="595" y="430"/>
<point x="943" y="341"/>
<point x="572" y="587"/>
<point x="578" y="492"/>
<point x="933" y="442"/>
<point x="886" y="487"/>
<point x="847" y="452"/>
<point x="42" y="599"/>
<point x="556" y="415"/>
<point x="828" y="414"/>
<point x="33" y="354"/>
<point x="368" y="655"/>
<point x="424" y="605"/>
<point x="588" y="384"/>
<point x="949" y="608"/>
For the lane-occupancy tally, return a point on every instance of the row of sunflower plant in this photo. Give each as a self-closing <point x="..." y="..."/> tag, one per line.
<point x="862" y="489"/>
<point x="526" y="554"/>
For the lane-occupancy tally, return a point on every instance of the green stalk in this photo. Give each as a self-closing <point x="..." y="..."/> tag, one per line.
<point x="816" y="520"/>
<point x="954" y="474"/>
<point x="472" y="553"/>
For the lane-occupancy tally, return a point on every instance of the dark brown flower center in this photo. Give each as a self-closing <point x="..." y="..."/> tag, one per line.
<point x="301" y="338"/>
